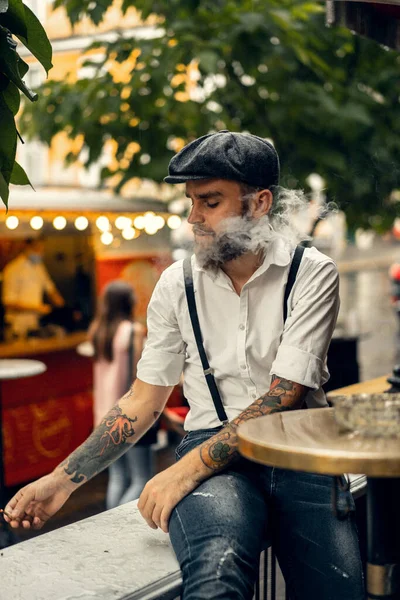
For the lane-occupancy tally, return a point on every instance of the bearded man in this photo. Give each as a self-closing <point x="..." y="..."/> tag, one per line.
<point x="216" y="505"/>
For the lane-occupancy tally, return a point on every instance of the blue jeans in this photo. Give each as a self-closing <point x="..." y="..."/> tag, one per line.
<point x="219" y="530"/>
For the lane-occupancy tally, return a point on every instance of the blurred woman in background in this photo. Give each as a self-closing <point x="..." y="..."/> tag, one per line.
<point x="118" y="343"/>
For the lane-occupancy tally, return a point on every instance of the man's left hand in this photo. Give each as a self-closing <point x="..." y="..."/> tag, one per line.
<point x="162" y="493"/>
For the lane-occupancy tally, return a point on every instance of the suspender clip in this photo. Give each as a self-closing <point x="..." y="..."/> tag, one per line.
<point x="208" y="371"/>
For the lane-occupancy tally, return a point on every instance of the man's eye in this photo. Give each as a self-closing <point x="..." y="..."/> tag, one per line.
<point x="212" y="205"/>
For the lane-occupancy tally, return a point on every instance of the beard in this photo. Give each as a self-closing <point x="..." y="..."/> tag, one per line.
<point x="237" y="236"/>
<point x="221" y="249"/>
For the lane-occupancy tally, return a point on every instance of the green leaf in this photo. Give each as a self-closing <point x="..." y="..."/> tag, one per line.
<point x="8" y="140"/>
<point x="3" y="6"/>
<point x="10" y="61"/>
<point x="4" y="192"/>
<point x="37" y="41"/>
<point x="4" y="81"/>
<point x="18" y="176"/>
<point x="12" y="97"/>
<point x="14" y="18"/>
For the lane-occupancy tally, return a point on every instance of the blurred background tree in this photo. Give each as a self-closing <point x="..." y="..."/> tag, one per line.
<point x="329" y="100"/>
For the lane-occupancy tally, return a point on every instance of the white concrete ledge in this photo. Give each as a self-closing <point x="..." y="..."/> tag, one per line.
<point x="111" y="556"/>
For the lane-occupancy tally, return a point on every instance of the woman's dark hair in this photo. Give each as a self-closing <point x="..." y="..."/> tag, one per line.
<point x="116" y="304"/>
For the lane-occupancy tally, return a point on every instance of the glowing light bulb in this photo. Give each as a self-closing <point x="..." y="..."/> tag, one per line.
<point x="81" y="223"/>
<point x="174" y="222"/>
<point x="103" y="223"/>
<point x="139" y="222"/>
<point x="59" y="223"/>
<point x="36" y="223"/>
<point x="123" y="222"/>
<point x="129" y="233"/>
<point x="106" y="238"/>
<point x="151" y="228"/>
<point x="12" y="222"/>
<point x="159" y="221"/>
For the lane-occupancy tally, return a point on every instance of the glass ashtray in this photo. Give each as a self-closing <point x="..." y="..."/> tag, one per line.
<point x="369" y="415"/>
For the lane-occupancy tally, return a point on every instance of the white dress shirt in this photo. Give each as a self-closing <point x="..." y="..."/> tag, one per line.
<point x="243" y="336"/>
<point x="24" y="281"/>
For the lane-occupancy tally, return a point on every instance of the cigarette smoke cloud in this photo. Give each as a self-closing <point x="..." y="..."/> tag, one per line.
<point x="240" y="234"/>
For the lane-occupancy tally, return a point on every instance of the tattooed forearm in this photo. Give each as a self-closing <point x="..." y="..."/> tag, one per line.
<point x="221" y="450"/>
<point x="107" y="442"/>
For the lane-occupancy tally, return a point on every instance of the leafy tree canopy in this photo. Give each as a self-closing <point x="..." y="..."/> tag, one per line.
<point x="329" y="100"/>
<point x="16" y="21"/>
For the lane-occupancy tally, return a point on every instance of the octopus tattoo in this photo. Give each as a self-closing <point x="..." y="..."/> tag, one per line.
<point x="106" y="443"/>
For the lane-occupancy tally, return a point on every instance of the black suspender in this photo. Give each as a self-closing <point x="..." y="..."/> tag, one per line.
<point x="212" y="386"/>
<point x="188" y="278"/>
<point x="294" y="267"/>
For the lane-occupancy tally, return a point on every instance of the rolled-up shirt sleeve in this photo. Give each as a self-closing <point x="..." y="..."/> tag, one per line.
<point x="164" y="352"/>
<point x="308" y="330"/>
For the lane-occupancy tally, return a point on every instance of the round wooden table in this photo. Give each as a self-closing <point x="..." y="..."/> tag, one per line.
<point x="310" y="440"/>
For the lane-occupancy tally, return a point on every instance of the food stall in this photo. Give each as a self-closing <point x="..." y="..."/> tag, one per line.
<point x="105" y="237"/>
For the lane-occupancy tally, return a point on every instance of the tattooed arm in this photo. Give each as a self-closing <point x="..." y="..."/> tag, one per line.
<point x="124" y="424"/>
<point x="222" y="449"/>
<point x="167" y="489"/>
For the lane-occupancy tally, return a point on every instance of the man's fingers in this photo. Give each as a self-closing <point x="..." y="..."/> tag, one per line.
<point x="14" y="524"/>
<point x="13" y="502"/>
<point x="38" y="522"/>
<point x="27" y="522"/>
<point x="156" y="516"/>
<point x="164" y="518"/>
<point x="18" y="505"/>
<point x="146" y="508"/>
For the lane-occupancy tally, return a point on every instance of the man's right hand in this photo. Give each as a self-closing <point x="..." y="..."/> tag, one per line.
<point x="35" y="503"/>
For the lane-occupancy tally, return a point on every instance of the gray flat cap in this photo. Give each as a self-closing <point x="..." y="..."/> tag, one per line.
<point x="227" y="155"/>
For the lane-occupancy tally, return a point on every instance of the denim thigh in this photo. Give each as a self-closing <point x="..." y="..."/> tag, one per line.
<point x="319" y="554"/>
<point x="218" y="531"/>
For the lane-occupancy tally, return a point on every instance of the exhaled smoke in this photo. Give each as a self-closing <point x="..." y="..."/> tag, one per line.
<point x="240" y="234"/>
<point x="236" y="236"/>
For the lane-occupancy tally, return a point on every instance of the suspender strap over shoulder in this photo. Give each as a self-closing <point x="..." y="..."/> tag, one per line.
<point x="294" y="267"/>
<point x="212" y="386"/>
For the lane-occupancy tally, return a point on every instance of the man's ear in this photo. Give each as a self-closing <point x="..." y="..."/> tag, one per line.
<point x="262" y="203"/>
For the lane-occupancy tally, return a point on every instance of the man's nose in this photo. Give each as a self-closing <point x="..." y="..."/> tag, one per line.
<point x="195" y="216"/>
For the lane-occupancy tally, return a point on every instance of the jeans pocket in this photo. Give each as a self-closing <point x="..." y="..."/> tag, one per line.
<point x="181" y="446"/>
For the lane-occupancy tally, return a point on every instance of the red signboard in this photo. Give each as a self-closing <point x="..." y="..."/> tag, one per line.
<point x="46" y="417"/>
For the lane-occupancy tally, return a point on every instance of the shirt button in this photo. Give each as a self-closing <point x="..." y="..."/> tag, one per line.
<point x="254" y="396"/>
<point x="241" y="327"/>
<point x="243" y="367"/>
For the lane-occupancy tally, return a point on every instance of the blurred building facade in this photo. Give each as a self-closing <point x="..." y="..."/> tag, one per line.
<point x="112" y="236"/>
